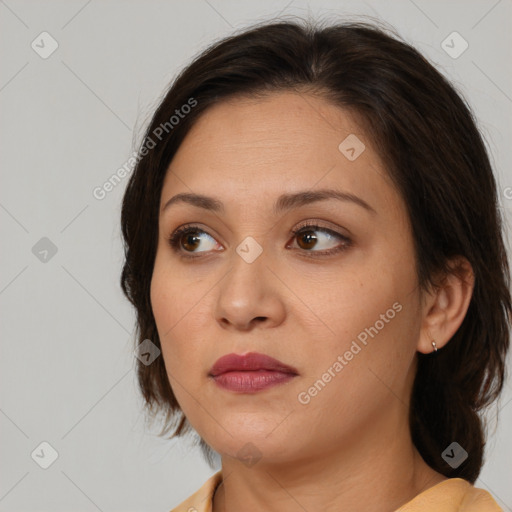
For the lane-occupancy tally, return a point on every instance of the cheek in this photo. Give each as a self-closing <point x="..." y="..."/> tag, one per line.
<point x="174" y="312"/>
<point x="180" y="358"/>
<point x="363" y="374"/>
<point x="171" y="299"/>
<point x="167" y="310"/>
<point x="354" y="305"/>
<point x="372" y="326"/>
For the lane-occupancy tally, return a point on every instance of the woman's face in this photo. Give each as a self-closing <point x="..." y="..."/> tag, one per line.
<point x="340" y="306"/>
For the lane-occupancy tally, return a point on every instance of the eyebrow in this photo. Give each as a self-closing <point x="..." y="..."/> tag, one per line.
<point x="284" y="203"/>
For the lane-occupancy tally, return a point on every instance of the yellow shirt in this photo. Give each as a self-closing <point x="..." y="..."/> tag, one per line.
<point x="452" y="495"/>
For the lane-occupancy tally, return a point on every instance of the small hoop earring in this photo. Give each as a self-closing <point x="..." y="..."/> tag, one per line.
<point x="434" y="344"/>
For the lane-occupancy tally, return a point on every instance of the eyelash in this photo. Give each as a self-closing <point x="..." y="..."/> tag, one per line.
<point x="175" y="238"/>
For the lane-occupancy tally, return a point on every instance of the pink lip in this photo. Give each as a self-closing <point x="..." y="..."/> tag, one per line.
<point x="250" y="372"/>
<point x="253" y="361"/>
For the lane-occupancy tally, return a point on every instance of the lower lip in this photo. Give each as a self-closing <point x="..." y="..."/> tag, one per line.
<point x="251" y="381"/>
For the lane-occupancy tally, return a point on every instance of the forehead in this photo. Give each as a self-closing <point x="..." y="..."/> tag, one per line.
<point x="280" y="143"/>
<point x="281" y="126"/>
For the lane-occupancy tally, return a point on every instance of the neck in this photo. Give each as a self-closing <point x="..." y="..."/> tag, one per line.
<point x="378" y="473"/>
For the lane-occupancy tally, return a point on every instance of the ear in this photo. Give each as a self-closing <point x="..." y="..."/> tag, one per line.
<point x="444" y="309"/>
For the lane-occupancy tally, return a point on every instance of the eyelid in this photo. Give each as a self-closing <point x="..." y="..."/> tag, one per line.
<point x="174" y="238"/>
<point x="315" y="225"/>
<point x="347" y="241"/>
<point x="324" y="226"/>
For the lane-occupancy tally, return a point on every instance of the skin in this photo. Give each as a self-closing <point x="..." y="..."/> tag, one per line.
<point x="350" y="447"/>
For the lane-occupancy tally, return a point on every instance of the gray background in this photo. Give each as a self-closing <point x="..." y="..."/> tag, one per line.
<point x="67" y="124"/>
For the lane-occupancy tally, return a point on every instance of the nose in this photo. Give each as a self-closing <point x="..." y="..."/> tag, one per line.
<point x="249" y="295"/>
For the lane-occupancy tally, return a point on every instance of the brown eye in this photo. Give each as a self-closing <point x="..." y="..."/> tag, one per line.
<point x="189" y="238"/>
<point x="190" y="241"/>
<point x="323" y="240"/>
<point x="308" y="238"/>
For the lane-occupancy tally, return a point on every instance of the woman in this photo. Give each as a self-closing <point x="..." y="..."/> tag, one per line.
<point x="313" y="241"/>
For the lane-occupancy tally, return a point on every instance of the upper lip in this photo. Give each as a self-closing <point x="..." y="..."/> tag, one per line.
<point x="247" y="362"/>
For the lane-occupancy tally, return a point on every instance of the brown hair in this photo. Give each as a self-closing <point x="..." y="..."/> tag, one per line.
<point x="425" y="133"/>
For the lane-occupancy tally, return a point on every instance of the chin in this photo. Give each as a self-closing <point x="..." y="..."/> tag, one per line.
<point x="250" y="444"/>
